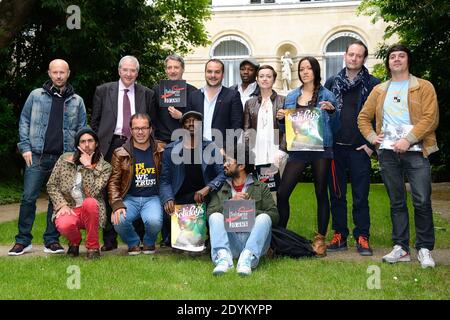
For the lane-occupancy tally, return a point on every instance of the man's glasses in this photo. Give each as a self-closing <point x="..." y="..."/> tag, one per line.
<point x="140" y="129"/>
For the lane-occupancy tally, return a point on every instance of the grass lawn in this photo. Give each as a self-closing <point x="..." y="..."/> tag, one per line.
<point x="172" y="276"/>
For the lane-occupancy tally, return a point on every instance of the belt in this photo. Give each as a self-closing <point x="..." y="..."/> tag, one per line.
<point x="119" y="136"/>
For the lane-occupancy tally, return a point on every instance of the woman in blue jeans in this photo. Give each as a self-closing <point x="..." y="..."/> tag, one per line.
<point x="315" y="119"/>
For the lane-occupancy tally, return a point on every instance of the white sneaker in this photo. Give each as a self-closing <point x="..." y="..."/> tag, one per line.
<point x="397" y="255"/>
<point x="244" y="265"/>
<point x="424" y="256"/>
<point x="224" y="262"/>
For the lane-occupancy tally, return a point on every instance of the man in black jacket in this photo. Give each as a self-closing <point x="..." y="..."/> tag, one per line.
<point x="351" y="86"/>
<point x="221" y="107"/>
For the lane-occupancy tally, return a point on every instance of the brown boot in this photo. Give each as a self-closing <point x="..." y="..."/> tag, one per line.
<point x="319" y="245"/>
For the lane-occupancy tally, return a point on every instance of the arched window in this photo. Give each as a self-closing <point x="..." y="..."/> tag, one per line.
<point x="335" y="49"/>
<point x="231" y="50"/>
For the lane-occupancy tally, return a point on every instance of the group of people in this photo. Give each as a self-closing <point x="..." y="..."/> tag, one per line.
<point x="122" y="173"/>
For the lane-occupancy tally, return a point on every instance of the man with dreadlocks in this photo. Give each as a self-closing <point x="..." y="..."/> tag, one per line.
<point x="351" y="86"/>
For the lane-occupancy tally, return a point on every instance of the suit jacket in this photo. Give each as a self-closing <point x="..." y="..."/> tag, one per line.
<point x="228" y="112"/>
<point x="105" y="108"/>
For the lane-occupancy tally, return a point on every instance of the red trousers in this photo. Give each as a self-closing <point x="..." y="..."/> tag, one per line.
<point x="86" y="217"/>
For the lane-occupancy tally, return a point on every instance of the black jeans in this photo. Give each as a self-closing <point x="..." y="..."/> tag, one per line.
<point x="416" y="167"/>
<point x="357" y="163"/>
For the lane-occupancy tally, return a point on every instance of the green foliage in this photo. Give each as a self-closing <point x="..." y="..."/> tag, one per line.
<point x="10" y="192"/>
<point x="423" y="26"/>
<point x="109" y="30"/>
<point x="379" y="71"/>
<point x="8" y="124"/>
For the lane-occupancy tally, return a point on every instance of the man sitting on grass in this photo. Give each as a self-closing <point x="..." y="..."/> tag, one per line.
<point x="248" y="246"/>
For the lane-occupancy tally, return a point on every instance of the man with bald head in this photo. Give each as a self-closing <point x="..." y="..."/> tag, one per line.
<point x="114" y="104"/>
<point x="50" y="118"/>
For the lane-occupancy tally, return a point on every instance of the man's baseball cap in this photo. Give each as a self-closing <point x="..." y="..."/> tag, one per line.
<point x="251" y="61"/>
<point x="188" y="114"/>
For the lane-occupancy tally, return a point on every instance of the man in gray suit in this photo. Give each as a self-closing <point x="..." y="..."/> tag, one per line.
<point x="114" y="104"/>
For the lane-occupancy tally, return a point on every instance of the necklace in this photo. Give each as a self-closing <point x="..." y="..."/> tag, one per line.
<point x="265" y="108"/>
<point x="397" y="94"/>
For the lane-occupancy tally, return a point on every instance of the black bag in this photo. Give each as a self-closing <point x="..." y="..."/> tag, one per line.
<point x="287" y="243"/>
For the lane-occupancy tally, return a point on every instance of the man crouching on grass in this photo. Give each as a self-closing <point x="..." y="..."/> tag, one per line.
<point x="248" y="246"/>
<point x="75" y="189"/>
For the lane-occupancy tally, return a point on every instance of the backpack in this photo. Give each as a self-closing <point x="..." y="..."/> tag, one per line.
<point x="287" y="243"/>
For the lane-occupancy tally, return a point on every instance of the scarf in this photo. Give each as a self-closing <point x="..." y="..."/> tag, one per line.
<point x="341" y="85"/>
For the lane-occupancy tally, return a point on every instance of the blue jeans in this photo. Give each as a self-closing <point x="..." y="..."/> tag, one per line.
<point x="416" y="167"/>
<point x="147" y="208"/>
<point x="257" y="241"/>
<point x="347" y="158"/>
<point x="35" y="177"/>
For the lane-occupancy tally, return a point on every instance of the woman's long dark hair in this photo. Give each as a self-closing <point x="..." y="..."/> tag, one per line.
<point x="317" y="78"/>
<point x="95" y="158"/>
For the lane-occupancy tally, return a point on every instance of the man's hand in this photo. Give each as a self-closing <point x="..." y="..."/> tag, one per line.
<point x="169" y="207"/>
<point x="85" y="159"/>
<point x="366" y="149"/>
<point x="115" y="216"/>
<point x="401" y="146"/>
<point x="326" y="105"/>
<point x="200" y="195"/>
<point x="28" y="157"/>
<point x="241" y="196"/>
<point x="379" y="139"/>
<point x="64" y="210"/>
<point x="174" y="113"/>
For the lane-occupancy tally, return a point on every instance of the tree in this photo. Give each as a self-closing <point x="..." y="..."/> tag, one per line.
<point x="423" y="26"/>
<point x="14" y="14"/>
<point x="108" y="30"/>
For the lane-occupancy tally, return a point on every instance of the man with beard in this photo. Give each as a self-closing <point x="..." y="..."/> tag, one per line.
<point x="249" y="247"/>
<point x="196" y="173"/>
<point x="220" y="107"/>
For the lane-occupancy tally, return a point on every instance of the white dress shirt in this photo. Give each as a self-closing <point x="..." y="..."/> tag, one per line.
<point x="130" y="94"/>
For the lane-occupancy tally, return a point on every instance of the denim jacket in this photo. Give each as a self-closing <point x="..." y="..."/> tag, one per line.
<point x="330" y="121"/>
<point x="35" y="116"/>
<point x="172" y="175"/>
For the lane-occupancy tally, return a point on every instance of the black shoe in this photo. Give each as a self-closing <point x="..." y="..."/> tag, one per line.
<point x="338" y="243"/>
<point x="363" y="246"/>
<point x="109" y="246"/>
<point x="165" y="244"/>
<point x="73" y="251"/>
<point x="54" y="248"/>
<point x="19" y="249"/>
<point x="93" y="254"/>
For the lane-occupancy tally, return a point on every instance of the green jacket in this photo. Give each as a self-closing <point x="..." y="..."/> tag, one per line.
<point x="257" y="191"/>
